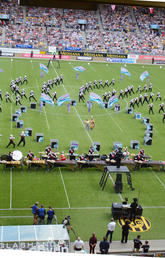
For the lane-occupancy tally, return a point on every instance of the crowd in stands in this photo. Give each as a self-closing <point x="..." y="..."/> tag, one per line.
<point x="72" y="16"/>
<point x="120" y="29"/>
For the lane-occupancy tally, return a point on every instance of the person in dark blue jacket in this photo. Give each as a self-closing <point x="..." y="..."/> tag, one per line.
<point x="50" y="214"/>
<point x="104" y="246"/>
<point x="34" y="212"/>
<point x="41" y="215"/>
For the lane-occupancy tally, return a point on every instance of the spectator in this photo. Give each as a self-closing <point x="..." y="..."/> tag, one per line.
<point x="41" y="215"/>
<point x="50" y="214"/>
<point x="137" y="244"/>
<point x="125" y="232"/>
<point x="92" y="243"/>
<point x="111" y="229"/>
<point x="104" y="246"/>
<point x="145" y="247"/>
<point x="78" y="244"/>
<point x="34" y="212"/>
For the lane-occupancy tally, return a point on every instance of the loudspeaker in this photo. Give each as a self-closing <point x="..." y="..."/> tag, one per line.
<point x="147" y="140"/>
<point x="117" y="145"/>
<point x="73" y="102"/>
<point x="146" y="120"/>
<point x="149" y="134"/>
<point x="129" y="111"/>
<point x="74" y="144"/>
<point x="96" y="146"/>
<point x="20" y="124"/>
<point x="118" y="183"/>
<point x="28" y="131"/>
<point x="39" y="137"/>
<point x="135" y="144"/>
<point x="116" y="210"/>
<point x="149" y="127"/>
<point x="15" y="117"/>
<point x="33" y="105"/>
<point x="18" y="112"/>
<point x="23" y="109"/>
<point x="54" y="143"/>
<point x="137" y="115"/>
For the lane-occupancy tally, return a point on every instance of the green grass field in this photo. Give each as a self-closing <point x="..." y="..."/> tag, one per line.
<point x="78" y="193"/>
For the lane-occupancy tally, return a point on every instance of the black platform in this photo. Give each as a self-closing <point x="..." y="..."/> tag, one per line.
<point x="114" y="169"/>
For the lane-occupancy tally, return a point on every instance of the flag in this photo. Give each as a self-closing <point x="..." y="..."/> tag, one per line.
<point x="96" y="98"/>
<point x="46" y="98"/>
<point x="79" y="69"/>
<point x="112" y="101"/>
<point x="62" y="99"/>
<point x="44" y="68"/>
<point x="144" y="75"/>
<point x="113" y="7"/>
<point x="125" y="71"/>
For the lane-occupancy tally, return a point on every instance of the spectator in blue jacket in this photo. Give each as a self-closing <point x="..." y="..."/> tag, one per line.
<point x="50" y="214"/>
<point x="41" y="215"/>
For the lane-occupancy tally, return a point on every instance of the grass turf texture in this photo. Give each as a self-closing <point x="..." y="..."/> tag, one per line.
<point x="79" y="190"/>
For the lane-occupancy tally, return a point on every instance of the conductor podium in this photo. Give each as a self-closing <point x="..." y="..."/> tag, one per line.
<point x="118" y="185"/>
<point x="124" y="211"/>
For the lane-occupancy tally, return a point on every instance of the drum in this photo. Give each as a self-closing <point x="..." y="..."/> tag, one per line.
<point x="5" y="157"/>
<point x="17" y="155"/>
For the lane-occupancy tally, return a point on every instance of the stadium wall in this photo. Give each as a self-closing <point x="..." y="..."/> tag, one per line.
<point x="84" y="56"/>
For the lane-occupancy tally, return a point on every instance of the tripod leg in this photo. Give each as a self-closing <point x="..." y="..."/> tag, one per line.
<point x="105" y="180"/>
<point x="102" y="178"/>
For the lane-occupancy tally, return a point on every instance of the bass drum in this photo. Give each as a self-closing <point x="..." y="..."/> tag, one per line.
<point x="17" y="155"/>
<point x="5" y="157"/>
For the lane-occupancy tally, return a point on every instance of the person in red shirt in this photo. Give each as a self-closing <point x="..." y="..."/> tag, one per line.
<point x="92" y="243"/>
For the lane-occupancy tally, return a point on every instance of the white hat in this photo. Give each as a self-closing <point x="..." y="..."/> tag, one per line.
<point x="22" y="131"/>
<point x="11" y="135"/>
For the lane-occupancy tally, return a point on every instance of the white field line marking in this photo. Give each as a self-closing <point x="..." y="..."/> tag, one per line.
<point x="80" y="208"/>
<point x="64" y="188"/>
<point x="10" y="217"/>
<point x="115" y="122"/>
<point x="121" y="198"/>
<point x="159" y="179"/>
<point x="11" y="123"/>
<point x="11" y="188"/>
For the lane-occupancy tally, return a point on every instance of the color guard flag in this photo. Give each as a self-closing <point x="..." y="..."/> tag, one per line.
<point x="112" y="101"/>
<point x="125" y="71"/>
<point x="62" y="99"/>
<point x="96" y="98"/>
<point x="46" y="98"/>
<point x="144" y="75"/>
<point x="44" y="68"/>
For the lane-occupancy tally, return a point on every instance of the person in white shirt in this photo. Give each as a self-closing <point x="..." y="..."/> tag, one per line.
<point x="111" y="228"/>
<point x="78" y="244"/>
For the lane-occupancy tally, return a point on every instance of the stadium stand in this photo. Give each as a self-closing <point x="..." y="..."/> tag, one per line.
<point x="120" y="30"/>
